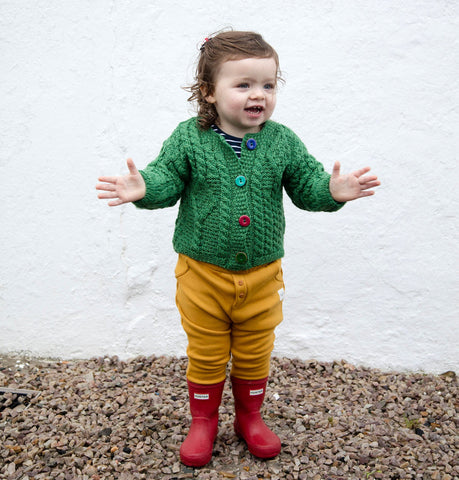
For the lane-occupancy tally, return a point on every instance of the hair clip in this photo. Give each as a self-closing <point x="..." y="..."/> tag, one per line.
<point x="204" y="44"/>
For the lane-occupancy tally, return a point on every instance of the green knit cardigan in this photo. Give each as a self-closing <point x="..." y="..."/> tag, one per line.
<point x="231" y="211"/>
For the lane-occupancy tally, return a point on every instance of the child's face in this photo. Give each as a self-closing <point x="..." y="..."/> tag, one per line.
<point x="244" y="94"/>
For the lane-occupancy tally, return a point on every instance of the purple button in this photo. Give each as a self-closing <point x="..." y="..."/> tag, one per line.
<point x="244" y="221"/>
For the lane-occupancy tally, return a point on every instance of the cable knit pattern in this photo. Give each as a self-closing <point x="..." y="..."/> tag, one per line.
<point x="200" y="168"/>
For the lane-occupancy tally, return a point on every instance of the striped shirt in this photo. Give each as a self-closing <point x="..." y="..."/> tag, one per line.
<point x="234" y="142"/>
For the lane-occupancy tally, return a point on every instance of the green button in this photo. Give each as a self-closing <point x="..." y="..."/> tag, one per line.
<point x="241" y="258"/>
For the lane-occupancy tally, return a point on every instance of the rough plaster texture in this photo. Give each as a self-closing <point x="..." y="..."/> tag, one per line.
<point x="86" y="84"/>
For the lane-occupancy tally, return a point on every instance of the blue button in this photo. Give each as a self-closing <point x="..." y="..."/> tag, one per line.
<point x="251" y="144"/>
<point x="240" y="181"/>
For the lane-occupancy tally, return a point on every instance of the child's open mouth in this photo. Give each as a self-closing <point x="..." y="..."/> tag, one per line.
<point x="254" y="110"/>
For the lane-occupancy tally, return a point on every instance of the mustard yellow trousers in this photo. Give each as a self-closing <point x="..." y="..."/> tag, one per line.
<point x="228" y="315"/>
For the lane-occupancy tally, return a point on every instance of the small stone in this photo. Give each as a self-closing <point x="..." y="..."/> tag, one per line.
<point x="90" y="470"/>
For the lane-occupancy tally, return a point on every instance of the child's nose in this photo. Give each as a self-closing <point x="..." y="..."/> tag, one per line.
<point x="257" y="92"/>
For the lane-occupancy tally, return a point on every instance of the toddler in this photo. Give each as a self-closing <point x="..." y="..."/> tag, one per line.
<point x="228" y="167"/>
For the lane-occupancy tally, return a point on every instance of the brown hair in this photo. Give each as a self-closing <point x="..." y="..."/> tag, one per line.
<point x="224" y="46"/>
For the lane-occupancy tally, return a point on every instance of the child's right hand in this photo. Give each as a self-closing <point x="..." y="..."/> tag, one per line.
<point x="122" y="188"/>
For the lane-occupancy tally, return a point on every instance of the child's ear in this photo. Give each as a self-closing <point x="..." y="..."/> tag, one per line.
<point x="205" y="93"/>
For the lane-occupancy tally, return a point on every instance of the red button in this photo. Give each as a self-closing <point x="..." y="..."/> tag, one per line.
<point x="244" y="221"/>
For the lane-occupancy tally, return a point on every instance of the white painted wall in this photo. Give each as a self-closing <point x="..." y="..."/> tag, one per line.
<point x="85" y="84"/>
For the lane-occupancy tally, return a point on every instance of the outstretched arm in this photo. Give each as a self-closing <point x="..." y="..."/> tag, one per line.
<point x="122" y="188"/>
<point x="347" y="187"/>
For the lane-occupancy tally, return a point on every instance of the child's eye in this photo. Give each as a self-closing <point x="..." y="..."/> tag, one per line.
<point x="269" y="86"/>
<point x="243" y="85"/>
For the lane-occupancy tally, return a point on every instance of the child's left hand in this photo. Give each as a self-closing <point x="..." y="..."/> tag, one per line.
<point x="351" y="186"/>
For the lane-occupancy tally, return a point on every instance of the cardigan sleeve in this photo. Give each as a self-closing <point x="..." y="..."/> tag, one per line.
<point x="165" y="178"/>
<point x="305" y="180"/>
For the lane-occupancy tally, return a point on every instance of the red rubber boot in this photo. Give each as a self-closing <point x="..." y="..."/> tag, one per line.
<point x="196" y="450"/>
<point x="248" y="398"/>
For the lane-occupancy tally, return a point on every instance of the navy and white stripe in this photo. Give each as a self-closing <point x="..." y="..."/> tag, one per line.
<point x="234" y="142"/>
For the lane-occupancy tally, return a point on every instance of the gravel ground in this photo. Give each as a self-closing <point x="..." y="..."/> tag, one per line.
<point x="109" y="419"/>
